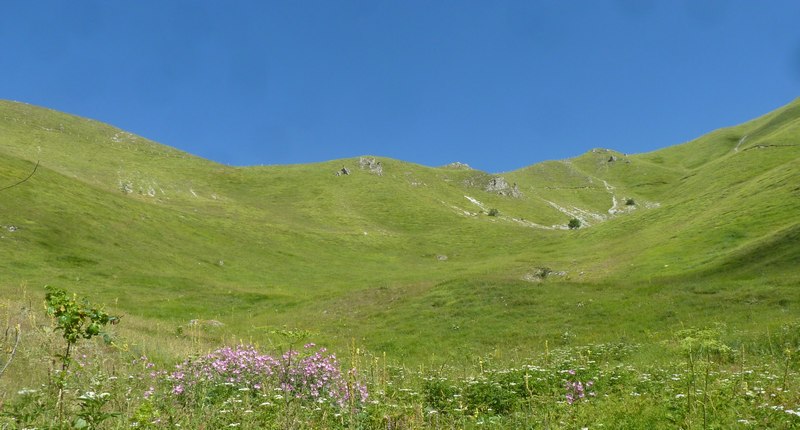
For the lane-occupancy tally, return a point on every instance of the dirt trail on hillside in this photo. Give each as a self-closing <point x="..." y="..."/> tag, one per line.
<point x="741" y="141"/>
<point x="483" y="208"/>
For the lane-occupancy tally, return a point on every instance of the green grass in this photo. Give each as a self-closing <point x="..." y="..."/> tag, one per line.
<point x="167" y="237"/>
<point x="409" y="268"/>
<point x="700" y="376"/>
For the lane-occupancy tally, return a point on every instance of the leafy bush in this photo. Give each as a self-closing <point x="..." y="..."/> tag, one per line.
<point x="486" y="396"/>
<point x="77" y="320"/>
<point x="574" y="223"/>
<point x="493" y="212"/>
<point x="439" y="393"/>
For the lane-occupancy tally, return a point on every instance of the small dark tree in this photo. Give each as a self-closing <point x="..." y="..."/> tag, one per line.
<point x="574" y="223"/>
<point x="493" y="212"/>
<point x="630" y="202"/>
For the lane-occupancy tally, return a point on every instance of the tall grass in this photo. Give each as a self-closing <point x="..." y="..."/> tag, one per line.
<point x="700" y="379"/>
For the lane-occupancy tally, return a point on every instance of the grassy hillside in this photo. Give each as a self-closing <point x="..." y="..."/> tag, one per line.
<point x="407" y="261"/>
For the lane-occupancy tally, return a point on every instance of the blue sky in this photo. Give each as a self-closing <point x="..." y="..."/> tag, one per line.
<point x="496" y="84"/>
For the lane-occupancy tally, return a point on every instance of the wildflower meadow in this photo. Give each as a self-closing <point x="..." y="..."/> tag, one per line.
<point x="703" y="383"/>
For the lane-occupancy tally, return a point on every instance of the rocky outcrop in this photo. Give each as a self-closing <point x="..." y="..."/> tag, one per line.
<point x="458" y="166"/>
<point x="500" y="186"/>
<point x="369" y="163"/>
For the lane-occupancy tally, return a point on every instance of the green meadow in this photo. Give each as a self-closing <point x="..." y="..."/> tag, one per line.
<point x="461" y="298"/>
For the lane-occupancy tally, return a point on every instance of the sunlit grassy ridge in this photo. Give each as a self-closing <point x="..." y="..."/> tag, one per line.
<point x="408" y="262"/>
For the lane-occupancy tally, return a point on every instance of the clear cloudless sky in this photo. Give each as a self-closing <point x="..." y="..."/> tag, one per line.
<point x="496" y="84"/>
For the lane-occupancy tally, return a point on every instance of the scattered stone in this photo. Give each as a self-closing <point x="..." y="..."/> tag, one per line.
<point x="441" y="257"/>
<point x="206" y="323"/>
<point x="370" y="163"/>
<point x="530" y="277"/>
<point x="12" y="228"/>
<point x="539" y="274"/>
<point x="458" y="166"/>
<point x="343" y="171"/>
<point x="612" y="158"/>
<point x="476" y="181"/>
<point x="500" y="186"/>
<point x="126" y="187"/>
<point x="497" y="184"/>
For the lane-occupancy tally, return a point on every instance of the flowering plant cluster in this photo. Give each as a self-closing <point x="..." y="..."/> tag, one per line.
<point x="577" y="390"/>
<point x="310" y="374"/>
<point x="317" y="377"/>
<point x="239" y="367"/>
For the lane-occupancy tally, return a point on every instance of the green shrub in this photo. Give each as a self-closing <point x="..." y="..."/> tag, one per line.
<point x="439" y="393"/>
<point x="77" y="319"/>
<point x="487" y="397"/>
<point x="574" y="223"/>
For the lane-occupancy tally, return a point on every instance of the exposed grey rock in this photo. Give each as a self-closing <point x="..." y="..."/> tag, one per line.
<point x="126" y="187"/>
<point x="497" y="184"/>
<point x="343" y="171"/>
<point x="12" y="228"/>
<point x="500" y="186"/>
<point x="539" y="274"/>
<point x="206" y="323"/>
<point x="441" y="257"/>
<point x="531" y="277"/>
<point x="371" y="164"/>
<point x="458" y="165"/>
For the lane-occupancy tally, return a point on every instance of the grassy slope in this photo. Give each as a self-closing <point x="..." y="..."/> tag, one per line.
<point x="712" y="237"/>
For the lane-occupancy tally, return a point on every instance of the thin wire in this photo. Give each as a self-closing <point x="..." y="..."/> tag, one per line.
<point x="29" y="176"/>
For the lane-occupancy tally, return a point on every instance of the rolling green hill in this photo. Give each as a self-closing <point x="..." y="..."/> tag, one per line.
<point x="401" y="257"/>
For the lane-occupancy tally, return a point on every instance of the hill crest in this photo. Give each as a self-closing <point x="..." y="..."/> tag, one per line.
<point x="179" y="237"/>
